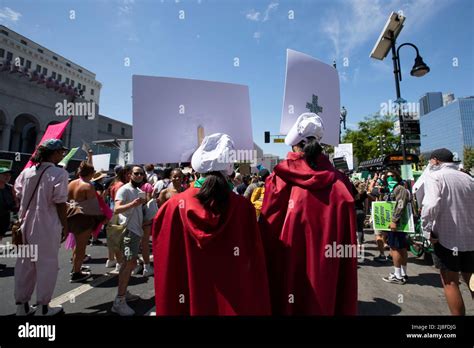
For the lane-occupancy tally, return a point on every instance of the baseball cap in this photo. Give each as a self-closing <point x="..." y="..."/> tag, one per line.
<point x="442" y="155"/>
<point x="54" y="144"/>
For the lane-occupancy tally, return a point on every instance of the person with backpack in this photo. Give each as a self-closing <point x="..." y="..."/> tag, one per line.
<point x="255" y="192"/>
<point x="42" y="190"/>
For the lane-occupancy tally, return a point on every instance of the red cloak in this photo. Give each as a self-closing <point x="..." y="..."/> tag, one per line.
<point x="206" y="263"/>
<point x="305" y="211"/>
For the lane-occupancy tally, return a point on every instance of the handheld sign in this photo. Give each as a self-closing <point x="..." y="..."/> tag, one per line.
<point x="382" y="216"/>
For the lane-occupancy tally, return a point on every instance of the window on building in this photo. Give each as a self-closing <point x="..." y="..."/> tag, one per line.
<point x="80" y="70"/>
<point x="92" y="91"/>
<point x="122" y="131"/>
<point x="4" y="32"/>
<point x="22" y="61"/>
<point x="28" y="64"/>
<point x="38" y="68"/>
<point x="45" y="71"/>
<point x="9" y="56"/>
<point x="55" y="58"/>
<point x="53" y="74"/>
<point x="40" y="50"/>
<point x="60" y="77"/>
<point x="2" y="53"/>
<point x="79" y="86"/>
<point x="67" y="80"/>
<point x="72" y="83"/>
<point x="109" y="127"/>
<point x="84" y="88"/>
<point x="24" y="42"/>
<point x="67" y="64"/>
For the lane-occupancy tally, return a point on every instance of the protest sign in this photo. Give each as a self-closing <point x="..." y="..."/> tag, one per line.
<point x="382" y="216"/>
<point x="101" y="162"/>
<point x="67" y="158"/>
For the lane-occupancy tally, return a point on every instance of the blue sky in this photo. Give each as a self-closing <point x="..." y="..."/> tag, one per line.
<point x="203" y="46"/>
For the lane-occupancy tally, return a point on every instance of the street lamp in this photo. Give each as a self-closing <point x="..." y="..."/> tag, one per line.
<point x="387" y="41"/>
<point x="342" y="119"/>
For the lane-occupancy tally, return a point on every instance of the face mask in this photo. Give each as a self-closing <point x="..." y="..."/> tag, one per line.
<point x="433" y="167"/>
<point x="391" y="183"/>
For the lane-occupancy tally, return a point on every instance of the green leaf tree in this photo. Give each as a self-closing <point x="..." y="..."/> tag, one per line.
<point x="365" y="141"/>
<point x="468" y="158"/>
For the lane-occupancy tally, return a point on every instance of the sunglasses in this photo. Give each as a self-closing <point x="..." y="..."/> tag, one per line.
<point x="138" y="174"/>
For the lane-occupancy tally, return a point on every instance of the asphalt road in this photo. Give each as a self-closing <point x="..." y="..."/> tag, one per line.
<point x="422" y="295"/>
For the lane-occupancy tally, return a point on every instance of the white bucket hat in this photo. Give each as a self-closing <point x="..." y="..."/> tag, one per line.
<point x="213" y="154"/>
<point x="307" y="125"/>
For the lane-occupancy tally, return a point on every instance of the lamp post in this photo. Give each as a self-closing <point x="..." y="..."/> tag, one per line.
<point x="342" y="120"/>
<point x="419" y="69"/>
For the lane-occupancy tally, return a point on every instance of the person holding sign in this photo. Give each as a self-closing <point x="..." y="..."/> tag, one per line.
<point x="308" y="207"/>
<point x="208" y="255"/>
<point x="397" y="241"/>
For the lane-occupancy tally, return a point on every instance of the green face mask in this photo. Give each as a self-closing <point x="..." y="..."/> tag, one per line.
<point x="391" y="182"/>
<point x="198" y="183"/>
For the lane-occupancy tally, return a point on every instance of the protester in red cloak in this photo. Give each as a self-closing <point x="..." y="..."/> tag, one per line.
<point x="308" y="211"/>
<point x="208" y="255"/>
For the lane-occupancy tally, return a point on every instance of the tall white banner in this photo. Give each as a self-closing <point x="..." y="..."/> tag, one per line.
<point x="345" y="150"/>
<point x="311" y="86"/>
<point x="172" y="115"/>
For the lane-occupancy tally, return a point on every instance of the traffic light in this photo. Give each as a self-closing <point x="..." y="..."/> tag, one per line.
<point x="267" y="137"/>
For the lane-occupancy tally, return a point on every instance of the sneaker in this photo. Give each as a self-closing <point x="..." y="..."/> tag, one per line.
<point x="121" y="307"/>
<point x="79" y="277"/>
<point x="46" y="310"/>
<point x="116" y="270"/>
<point x="392" y="278"/>
<point x="87" y="258"/>
<point x="471" y="283"/>
<point x="137" y="269"/>
<point x="129" y="297"/>
<point x="389" y="258"/>
<point x="405" y="277"/>
<point x="381" y="258"/>
<point x="147" y="270"/>
<point x="24" y="309"/>
<point x="83" y="269"/>
<point x="110" y="263"/>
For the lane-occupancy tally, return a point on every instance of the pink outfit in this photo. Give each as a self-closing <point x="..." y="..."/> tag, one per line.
<point x="41" y="227"/>
<point x="146" y="187"/>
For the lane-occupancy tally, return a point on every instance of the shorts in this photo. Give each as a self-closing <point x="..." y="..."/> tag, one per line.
<point x="397" y="240"/>
<point x="445" y="260"/>
<point x="130" y="245"/>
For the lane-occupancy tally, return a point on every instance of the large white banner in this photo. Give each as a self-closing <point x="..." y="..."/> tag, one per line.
<point x="311" y="86"/>
<point x="101" y="162"/>
<point x="345" y="150"/>
<point x="172" y="115"/>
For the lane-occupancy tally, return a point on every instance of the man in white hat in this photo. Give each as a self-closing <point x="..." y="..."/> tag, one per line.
<point x="308" y="212"/>
<point x="208" y="255"/>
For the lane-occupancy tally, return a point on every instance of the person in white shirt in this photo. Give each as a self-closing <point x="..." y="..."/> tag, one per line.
<point x="447" y="209"/>
<point x="151" y="177"/>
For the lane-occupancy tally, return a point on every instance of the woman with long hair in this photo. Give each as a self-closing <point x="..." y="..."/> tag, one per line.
<point x="307" y="218"/>
<point x="208" y="255"/>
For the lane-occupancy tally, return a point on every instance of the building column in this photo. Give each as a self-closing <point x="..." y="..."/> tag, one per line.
<point x="5" y="131"/>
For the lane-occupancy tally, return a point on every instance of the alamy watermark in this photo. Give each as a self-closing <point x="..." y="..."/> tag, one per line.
<point x="393" y="108"/>
<point x="336" y="250"/>
<point x="239" y="156"/>
<point x="24" y="251"/>
<point x="86" y="109"/>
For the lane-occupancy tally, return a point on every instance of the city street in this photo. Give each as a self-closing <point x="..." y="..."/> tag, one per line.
<point x="422" y="295"/>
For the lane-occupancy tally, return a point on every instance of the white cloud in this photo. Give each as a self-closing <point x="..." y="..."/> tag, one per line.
<point x="126" y="7"/>
<point x="257" y="35"/>
<point x="362" y="21"/>
<point x="253" y="15"/>
<point x="8" y="15"/>
<point x="273" y="6"/>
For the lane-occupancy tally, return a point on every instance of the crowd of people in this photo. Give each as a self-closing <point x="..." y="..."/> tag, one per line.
<point x="224" y="243"/>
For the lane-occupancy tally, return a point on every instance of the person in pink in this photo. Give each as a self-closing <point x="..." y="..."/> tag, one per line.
<point x="42" y="190"/>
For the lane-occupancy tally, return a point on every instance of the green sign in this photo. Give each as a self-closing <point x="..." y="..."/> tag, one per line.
<point x="6" y="163"/>
<point x="382" y="216"/>
<point x="68" y="157"/>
